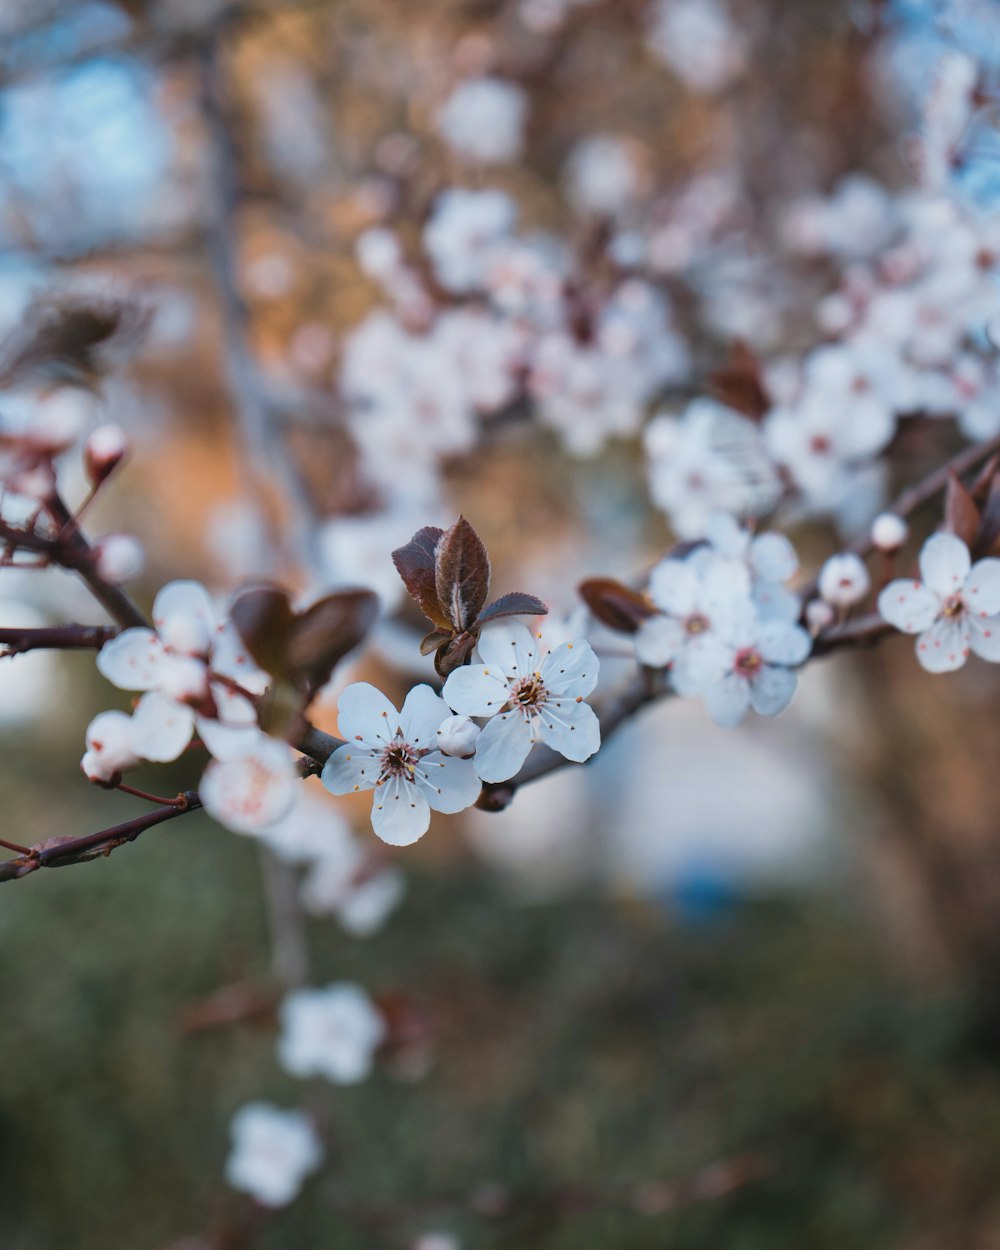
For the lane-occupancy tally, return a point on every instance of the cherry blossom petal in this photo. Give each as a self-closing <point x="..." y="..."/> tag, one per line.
<point x="253" y="791"/>
<point x="503" y="747"/>
<point x="570" y="728"/>
<point x="984" y="636"/>
<point x="773" y="558"/>
<point x="572" y="668"/>
<point x="945" y="646"/>
<point x="365" y="715"/>
<point x="230" y="658"/>
<point x="701" y="663"/>
<point x="726" y="535"/>
<point x="476" y="690"/>
<point x="724" y="584"/>
<point x="110" y="748"/>
<point x="448" y="783"/>
<point x="658" y="640"/>
<point x="133" y="660"/>
<point x="351" y="767"/>
<point x="909" y="606"/>
<point x="509" y="648"/>
<point x="161" y="727"/>
<point x="727" y="700"/>
<point x="781" y="643"/>
<point x="771" y="689"/>
<point x="776" y="603"/>
<point x="225" y="741"/>
<point x="673" y="586"/>
<point x="422" y="714"/>
<point x="400" y="813"/>
<point x="944" y="564"/>
<point x="981" y="591"/>
<point x="184" y="599"/>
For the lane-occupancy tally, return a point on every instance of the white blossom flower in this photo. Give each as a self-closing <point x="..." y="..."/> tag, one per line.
<point x="273" y="1152"/>
<point x="699" y="41"/>
<point x="464" y="229"/>
<point x="769" y="558"/>
<point x="395" y="754"/>
<point x="605" y="174"/>
<point x="889" y="532"/>
<point x="120" y="557"/>
<point x="748" y="663"/>
<point x="528" y="697"/>
<point x="483" y="119"/>
<point x="954" y="609"/>
<point x="333" y="1032"/>
<point x="355" y="886"/>
<point x="254" y="787"/>
<point x="844" y="580"/>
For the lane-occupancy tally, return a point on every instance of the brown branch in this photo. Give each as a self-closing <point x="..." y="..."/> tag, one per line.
<point x="72" y="550"/>
<point x="57" y="852"/>
<point x="14" y="641"/>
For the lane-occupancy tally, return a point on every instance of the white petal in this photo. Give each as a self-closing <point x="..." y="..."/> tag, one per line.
<point x="400" y="814"/>
<point x="508" y="647"/>
<point x="984" y="637"/>
<point x="350" y="768"/>
<point x="571" y="669"/>
<point x="476" y="690"/>
<point x="944" y="564"/>
<point x="423" y="711"/>
<point x="658" y="640"/>
<point x="503" y="747"/>
<point x="700" y="664"/>
<point x="253" y="791"/>
<point x="184" y="598"/>
<point x="364" y="714"/>
<point x="909" y="606"/>
<point x="781" y="643"/>
<point x="771" y="690"/>
<point x="776" y="603"/>
<point x="570" y="728"/>
<point x="727" y="700"/>
<point x="945" y="646"/>
<point x="449" y="784"/>
<point x="674" y="587"/>
<point x="225" y="741"/>
<point x="981" y="591"/>
<point x="726" y="535"/>
<point x="161" y="728"/>
<point x="132" y="660"/>
<point x="773" y="558"/>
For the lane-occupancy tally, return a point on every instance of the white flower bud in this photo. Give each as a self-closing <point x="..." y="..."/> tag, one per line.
<point x="104" y="451"/>
<point x="120" y="557"/>
<point x="458" y="736"/>
<point x="844" y="580"/>
<point x="889" y="532"/>
<point x="110" y="748"/>
<point x="819" y="615"/>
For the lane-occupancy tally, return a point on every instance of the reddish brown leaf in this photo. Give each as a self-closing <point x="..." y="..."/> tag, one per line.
<point x="436" y="638"/>
<point x="415" y="563"/>
<point x="516" y="603"/>
<point x="462" y="574"/>
<point x="988" y="539"/>
<point x="615" y="605"/>
<point x="453" y="654"/>
<point x="325" y="633"/>
<point x="263" y="618"/>
<point x="961" y="516"/>
<point x="739" y="383"/>
<point x="980" y="488"/>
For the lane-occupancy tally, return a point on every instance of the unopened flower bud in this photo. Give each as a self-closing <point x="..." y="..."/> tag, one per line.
<point x="844" y="580"/>
<point x="120" y="557"/>
<point x="110" y="749"/>
<point x="104" y="451"/>
<point x="819" y="615"/>
<point x="458" y="736"/>
<point x="889" y="532"/>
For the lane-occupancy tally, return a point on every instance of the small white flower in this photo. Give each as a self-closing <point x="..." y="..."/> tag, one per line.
<point x="844" y="580"/>
<point x="332" y="1032"/>
<point x="355" y="886"/>
<point x="458" y="736"/>
<point x="120" y="557"/>
<point x="528" y="698"/>
<point x="483" y="119"/>
<point x="820" y="615"/>
<point x="253" y="789"/>
<point x="889" y="532"/>
<point x="955" y="609"/>
<point x="750" y="664"/>
<point x="103" y="451"/>
<point x="395" y="754"/>
<point x="273" y="1152"/>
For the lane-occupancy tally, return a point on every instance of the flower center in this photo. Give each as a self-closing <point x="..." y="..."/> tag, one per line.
<point x="529" y="694"/>
<point x="955" y="606"/>
<point x="820" y="445"/>
<point x="398" y="759"/>
<point x="697" y="624"/>
<point x="748" y="662"/>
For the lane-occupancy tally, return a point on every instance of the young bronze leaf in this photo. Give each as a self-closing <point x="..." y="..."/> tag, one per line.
<point x="415" y="565"/>
<point x="739" y="383"/>
<point x="462" y="574"/>
<point x="961" y="516"/>
<point x="264" y="618"/>
<point x="453" y="654"/>
<point x="436" y="638"/>
<point x="517" y="603"/>
<point x="988" y="539"/>
<point x="615" y="605"/>
<point x="325" y="633"/>
<point x="980" y="488"/>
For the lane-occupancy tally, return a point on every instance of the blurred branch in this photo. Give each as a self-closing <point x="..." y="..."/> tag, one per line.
<point x="15" y="641"/>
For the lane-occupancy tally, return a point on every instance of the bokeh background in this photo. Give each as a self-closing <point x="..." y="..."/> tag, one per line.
<point x="736" y="989"/>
